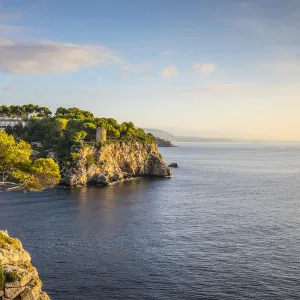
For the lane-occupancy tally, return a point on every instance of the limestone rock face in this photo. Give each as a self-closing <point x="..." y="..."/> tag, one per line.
<point x="18" y="278"/>
<point x="115" y="161"/>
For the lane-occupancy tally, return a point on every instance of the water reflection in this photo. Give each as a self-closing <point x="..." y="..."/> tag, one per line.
<point x="93" y="198"/>
<point x="114" y="210"/>
<point x="226" y="226"/>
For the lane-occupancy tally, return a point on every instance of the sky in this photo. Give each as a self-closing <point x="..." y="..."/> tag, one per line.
<point x="214" y="68"/>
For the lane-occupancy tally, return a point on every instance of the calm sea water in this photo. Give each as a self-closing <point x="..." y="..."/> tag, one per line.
<point x="226" y="226"/>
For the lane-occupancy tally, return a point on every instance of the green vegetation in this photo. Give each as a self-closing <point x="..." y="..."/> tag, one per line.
<point x="24" y="111"/>
<point x="6" y="241"/>
<point x="11" y="276"/>
<point x="70" y="128"/>
<point x="90" y="159"/>
<point x="19" y="171"/>
<point x="7" y="277"/>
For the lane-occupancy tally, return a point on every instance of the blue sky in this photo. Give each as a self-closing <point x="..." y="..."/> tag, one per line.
<point x="208" y="67"/>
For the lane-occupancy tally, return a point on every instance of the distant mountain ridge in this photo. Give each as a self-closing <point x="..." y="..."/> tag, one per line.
<point x="161" y="134"/>
<point x="174" y="138"/>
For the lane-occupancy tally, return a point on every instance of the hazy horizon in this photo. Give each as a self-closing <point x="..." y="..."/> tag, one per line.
<point x="226" y="67"/>
<point x="218" y="135"/>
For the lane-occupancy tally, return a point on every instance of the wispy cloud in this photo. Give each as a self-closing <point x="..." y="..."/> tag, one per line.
<point x="169" y="72"/>
<point x="167" y="52"/>
<point x="280" y="30"/>
<point x="10" y="13"/>
<point x="8" y="16"/>
<point x="148" y="79"/>
<point x="93" y="91"/>
<point x="135" y="68"/>
<point x="235" y="91"/>
<point x="245" y="3"/>
<point x="282" y="67"/>
<point x="205" y="68"/>
<point x="12" y="28"/>
<point x="89" y="91"/>
<point x="193" y="90"/>
<point x="51" y="57"/>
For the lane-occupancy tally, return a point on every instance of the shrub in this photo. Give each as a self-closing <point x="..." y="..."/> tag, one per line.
<point x="90" y="159"/>
<point x="7" y="277"/>
<point x="6" y="241"/>
<point x="74" y="156"/>
<point x="11" y="276"/>
<point x="101" y="144"/>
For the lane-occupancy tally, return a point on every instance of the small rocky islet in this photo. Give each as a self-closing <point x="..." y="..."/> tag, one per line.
<point x="173" y="165"/>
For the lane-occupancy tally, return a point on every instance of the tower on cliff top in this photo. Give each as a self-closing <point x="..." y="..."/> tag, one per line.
<point x="100" y="135"/>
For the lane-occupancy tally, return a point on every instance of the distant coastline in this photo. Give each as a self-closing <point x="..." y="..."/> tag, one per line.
<point x="164" y="142"/>
<point x="165" y="135"/>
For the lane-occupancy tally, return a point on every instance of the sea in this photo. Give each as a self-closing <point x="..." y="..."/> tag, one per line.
<point x="225" y="226"/>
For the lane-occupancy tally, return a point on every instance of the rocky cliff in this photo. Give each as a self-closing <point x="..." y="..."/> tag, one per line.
<point x="18" y="278"/>
<point x="114" y="161"/>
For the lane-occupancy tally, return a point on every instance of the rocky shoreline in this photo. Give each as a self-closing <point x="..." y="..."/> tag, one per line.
<point x="18" y="278"/>
<point x="113" y="162"/>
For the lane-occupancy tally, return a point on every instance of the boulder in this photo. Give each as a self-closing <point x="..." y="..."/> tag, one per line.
<point x="173" y="165"/>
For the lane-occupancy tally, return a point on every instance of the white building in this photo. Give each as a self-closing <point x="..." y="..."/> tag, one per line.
<point x="5" y="122"/>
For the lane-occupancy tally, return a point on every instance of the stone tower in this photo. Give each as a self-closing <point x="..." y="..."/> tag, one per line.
<point x="100" y="135"/>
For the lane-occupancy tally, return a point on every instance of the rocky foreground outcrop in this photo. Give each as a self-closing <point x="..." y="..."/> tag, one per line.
<point x="114" y="162"/>
<point x="18" y="278"/>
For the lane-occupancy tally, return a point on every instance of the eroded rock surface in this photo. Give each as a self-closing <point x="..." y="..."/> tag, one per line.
<point x="114" y="162"/>
<point x="18" y="278"/>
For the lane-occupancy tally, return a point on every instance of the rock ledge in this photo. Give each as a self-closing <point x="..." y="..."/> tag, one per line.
<point x="18" y="278"/>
